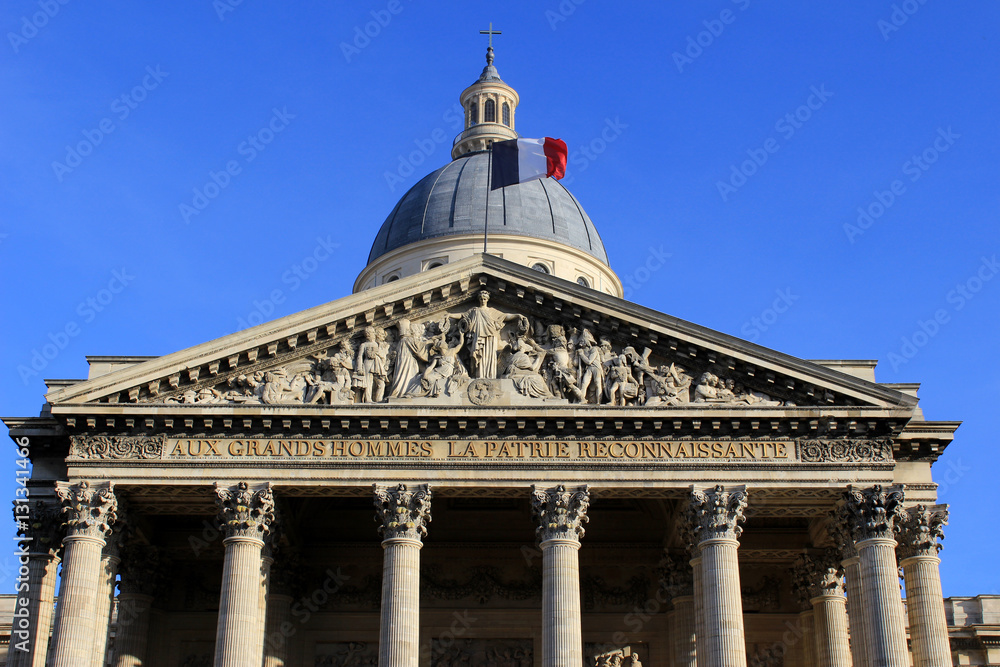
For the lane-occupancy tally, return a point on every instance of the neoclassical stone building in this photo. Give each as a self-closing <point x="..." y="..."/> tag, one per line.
<point x="607" y="483"/>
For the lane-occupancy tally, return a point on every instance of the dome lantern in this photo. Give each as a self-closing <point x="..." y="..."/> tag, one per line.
<point x="489" y="106"/>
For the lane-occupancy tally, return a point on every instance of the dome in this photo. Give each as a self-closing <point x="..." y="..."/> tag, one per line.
<point x="455" y="200"/>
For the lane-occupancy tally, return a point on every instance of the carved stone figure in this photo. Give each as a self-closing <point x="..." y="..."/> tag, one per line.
<point x="332" y="375"/>
<point x="561" y="377"/>
<point x="482" y="326"/>
<point x="370" y="367"/>
<point x="619" y="658"/>
<point x="590" y="367"/>
<point x="522" y="367"/>
<point x="669" y="385"/>
<point x="445" y="374"/>
<point x="411" y="350"/>
<point x="622" y="387"/>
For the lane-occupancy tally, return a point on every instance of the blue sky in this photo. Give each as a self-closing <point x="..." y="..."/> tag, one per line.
<point x="739" y="137"/>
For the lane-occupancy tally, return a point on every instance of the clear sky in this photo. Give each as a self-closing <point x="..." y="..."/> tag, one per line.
<point x="739" y="137"/>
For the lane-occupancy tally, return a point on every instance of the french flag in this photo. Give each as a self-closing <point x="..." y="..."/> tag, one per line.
<point x="522" y="160"/>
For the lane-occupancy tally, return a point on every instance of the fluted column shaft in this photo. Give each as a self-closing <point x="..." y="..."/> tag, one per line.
<point x="724" y="644"/>
<point x="683" y="631"/>
<point x="237" y="643"/>
<point x="698" y="605"/>
<point x="104" y="607"/>
<point x="132" y="637"/>
<point x="807" y="621"/>
<point x="279" y="613"/>
<point x="266" y="562"/>
<point x="832" y="647"/>
<point x="399" y="632"/>
<point x="32" y="622"/>
<point x="925" y="606"/>
<point x="883" y="603"/>
<point x="857" y="614"/>
<point x="74" y="643"/>
<point x="562" y="634"/>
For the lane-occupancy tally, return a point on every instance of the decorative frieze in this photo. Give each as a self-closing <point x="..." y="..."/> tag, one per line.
<point x="718" y="513"/>
<point x="402" y="512"/>
<point x="244" y="512"/>
<point x="560" y="513"/>
<point x="118" y="446"/>
<point x="88" y="510"/>
<point x="873" y="512"/>
<point x="920" y="529"/>
<point x="845" y="451"/>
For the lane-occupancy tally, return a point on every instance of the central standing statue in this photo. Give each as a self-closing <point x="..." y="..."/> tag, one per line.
<point x="481" y="326"/>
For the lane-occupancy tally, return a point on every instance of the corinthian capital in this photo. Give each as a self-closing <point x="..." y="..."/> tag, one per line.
<point x="88" y="510"/>
<point x="718" y="513"/>
<point x="244" y="512"/>
<point x="840" y="534"/>
<point x="560" y="513"/>
<point x="920" y="530"/>
<point x="42" y="523"/>
<point x="676" y="575"/>
<point x="813" y="576"/>
<point x="402" y="512"/>
<point x="873" y="512"/>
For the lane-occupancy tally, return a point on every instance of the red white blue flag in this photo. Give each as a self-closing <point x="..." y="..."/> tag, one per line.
<point x="522" y="160"/>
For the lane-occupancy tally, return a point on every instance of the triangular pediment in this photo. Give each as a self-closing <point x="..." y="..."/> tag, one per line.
<point x="529" y="339"/>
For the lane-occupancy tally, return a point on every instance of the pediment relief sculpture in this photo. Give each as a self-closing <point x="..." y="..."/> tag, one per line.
<point x="481" y="355"/>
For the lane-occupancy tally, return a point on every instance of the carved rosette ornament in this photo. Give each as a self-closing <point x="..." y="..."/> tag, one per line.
<point x="88" y="511"/>
<point x="43" y="524"/>
<point x="244" y="512"/>
<point x="676" y="575"/>
<point x="873" y="512"/>
<point x="560" y="513"/>
<point x="402" y="512"/>
<point x="718" y="513"/>
<point x="845" y="451"/>
<point x="920" y="530"/>
<point x="118" y="446"/>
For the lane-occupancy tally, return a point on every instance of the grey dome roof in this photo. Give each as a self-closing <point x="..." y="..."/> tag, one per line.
<point x="453" y="200"/>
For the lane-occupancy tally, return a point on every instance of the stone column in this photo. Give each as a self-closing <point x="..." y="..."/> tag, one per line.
<point x="41" y="524"/>
<point x="678" y="582"/>
<point x="140" y="576"/>
<point x="284" y="586"/>
<point x="110" y="560"/>
<point x="402" y="515"/>
<point x="89" y="511"/>
<point x="918" y="554"/>
<point x="872" y="514"/>
<point x="245" y="517"/>
<point x="801" y="576"/>
<point x="857" y="617"/>
<point x="820" y="582"/>
<point x="719" y="514"/>
<point x="560" y="515"/>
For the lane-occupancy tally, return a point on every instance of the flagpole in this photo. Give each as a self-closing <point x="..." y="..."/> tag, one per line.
<point x="489" y="184"/>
